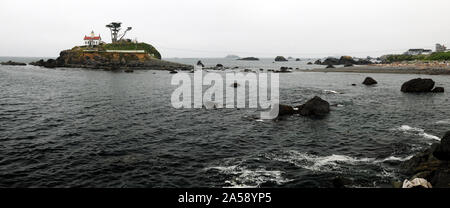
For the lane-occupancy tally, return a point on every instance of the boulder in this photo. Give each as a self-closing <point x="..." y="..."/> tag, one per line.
<point x="418" y="85"/>
<point x="331" y="61"/>
<point x="438" y="90"/>
<point x="280" y="58"/>
<point x="346" y="60"/>
<point x="297" y="59"/>
<point x="309" y="63"/>
<point x="219" y="66"/>
<point x="318" y="62"/>
<point x="314" y="107"/>
<point x="284" y="110"/>
<point x="370" y="81"/>
<point x="330" y="67"/>
<point x="442" y="151"/>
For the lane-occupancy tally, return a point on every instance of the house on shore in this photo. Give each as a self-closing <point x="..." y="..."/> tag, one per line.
<point x="418" y="51"/>
<point x="440" y="48"/>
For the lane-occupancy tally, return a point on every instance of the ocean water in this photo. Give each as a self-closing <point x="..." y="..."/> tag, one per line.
<point x="85" y="128"/>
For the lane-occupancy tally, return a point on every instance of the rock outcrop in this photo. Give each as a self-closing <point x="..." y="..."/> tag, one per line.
<point x="280" y="58"/>
<point x="369" y="81"/>
<point x="418" y="85"/>
<point x="431" y="164"/>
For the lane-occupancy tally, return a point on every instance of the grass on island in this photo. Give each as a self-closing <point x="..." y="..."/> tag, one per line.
<point x="124" y="45"/>
<point x="438" y="56"/>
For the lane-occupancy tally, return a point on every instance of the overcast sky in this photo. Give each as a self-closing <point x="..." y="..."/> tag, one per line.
<point x="215" y="28"/>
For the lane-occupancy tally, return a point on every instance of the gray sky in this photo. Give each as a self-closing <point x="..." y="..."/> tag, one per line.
<point x="215" y="28"/>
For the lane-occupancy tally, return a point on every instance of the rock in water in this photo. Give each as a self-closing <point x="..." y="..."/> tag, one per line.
<point x="330" y="67"/>
<point x="369" y="81"/>
<point x="12" y="63"/>
<point x="309" y="63"/>
<point x="418" y="85"/>
<point x="315" y="107"/>
<point x="280" y="58"/>
<point x="284" y="110"/>
<point x="442" y="151"/>
<point x="235" y="85"/>
<point x="438" y="90"/>
<point x="318" y="62"/>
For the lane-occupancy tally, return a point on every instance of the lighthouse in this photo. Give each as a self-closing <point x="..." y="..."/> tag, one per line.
<point x="92" y="40"/>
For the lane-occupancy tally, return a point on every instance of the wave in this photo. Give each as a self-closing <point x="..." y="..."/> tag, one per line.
<point x="332" y="92"/>
<point x="246" y="178"/>
<point x="327" y="163"/>
<point x="445" y="121"/>
<point x="417" y="131"/>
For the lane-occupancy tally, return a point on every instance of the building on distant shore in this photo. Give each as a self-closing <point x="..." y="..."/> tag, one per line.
<point x="418" y="51"/>
<point x="92" y="40"/>
<point x="440" y="48"/>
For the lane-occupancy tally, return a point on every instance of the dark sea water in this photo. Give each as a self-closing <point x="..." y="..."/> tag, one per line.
<point x="85" y="128"/>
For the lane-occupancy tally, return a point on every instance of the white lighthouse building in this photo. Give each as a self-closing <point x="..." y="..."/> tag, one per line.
<point x="92" y="40"/>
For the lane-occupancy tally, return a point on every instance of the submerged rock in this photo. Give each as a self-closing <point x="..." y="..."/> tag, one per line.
<point x="438" y="90"/>
<point x="314" y="107"/>
<point x="418" y="85"/>
<point x="370" y="81"/>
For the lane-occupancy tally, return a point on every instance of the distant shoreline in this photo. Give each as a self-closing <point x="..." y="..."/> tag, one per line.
<point x="387" y="69"/>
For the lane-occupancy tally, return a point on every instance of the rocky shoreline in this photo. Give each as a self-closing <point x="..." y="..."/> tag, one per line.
<point x="432" y="164"/>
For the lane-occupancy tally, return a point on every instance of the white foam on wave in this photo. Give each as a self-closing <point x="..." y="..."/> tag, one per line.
<point x="330" y="163"/>
<point x="246" y="178"/>
<point x="445" y="121"/>
<point x="317" y="163"/>
<point x="418" y="131"/>
<point x="331" y="92"/>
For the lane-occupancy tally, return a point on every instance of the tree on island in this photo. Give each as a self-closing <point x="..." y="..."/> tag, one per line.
<point x="115" y="28"/>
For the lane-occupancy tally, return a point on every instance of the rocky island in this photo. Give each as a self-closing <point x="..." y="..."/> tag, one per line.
<point x="120" y="54"/>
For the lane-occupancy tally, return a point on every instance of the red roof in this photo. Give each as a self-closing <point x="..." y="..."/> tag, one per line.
<point x="92" y="38"/>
